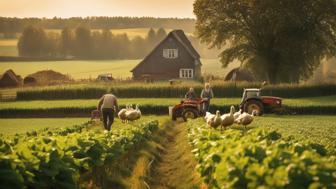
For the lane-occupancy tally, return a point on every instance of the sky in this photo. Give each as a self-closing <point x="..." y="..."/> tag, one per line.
<point x="83" y="8"/>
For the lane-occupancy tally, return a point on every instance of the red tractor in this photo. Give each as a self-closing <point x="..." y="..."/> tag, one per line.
<point x="252" y="100"/>
<point x="188" y="109"/>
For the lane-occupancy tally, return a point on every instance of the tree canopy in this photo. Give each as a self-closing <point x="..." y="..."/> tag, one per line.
<point x="279" y="40"/>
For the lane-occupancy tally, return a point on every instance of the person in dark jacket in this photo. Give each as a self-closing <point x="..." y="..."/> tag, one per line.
<point x="108" y="105"/>
<point x="191" y="95"/>
<point x="207" y="95"/>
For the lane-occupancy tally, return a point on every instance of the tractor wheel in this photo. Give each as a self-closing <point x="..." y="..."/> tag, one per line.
<point x="251" y="105"/>
<point x="189" y="113"/>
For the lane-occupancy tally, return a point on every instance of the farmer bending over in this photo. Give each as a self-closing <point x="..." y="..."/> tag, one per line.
<point x="207" y="95"/>
<point x="108" y="104"/>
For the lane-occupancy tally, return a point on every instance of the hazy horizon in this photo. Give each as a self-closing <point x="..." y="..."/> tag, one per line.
<point x="87" y="8"/>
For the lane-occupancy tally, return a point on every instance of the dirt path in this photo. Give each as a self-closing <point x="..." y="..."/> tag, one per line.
<point x="176" y="166"/>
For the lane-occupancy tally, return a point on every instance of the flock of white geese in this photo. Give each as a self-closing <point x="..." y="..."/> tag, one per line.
<point x="226" y="120"/>
<point x="129" y="114"/>
<point x="213" y="120"/>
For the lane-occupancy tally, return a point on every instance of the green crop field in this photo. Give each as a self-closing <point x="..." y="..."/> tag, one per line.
<point x="13" y="126"/>
<point x="38" y="104"/>
<point x="84" y="69"/>
<point x="275" y="152"/>
<point x="316" y="129"/>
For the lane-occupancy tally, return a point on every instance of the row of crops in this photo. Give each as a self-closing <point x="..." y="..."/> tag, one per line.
<point x="259" y="158"/>
<point x="58" y="158"/>
<point x="178" y="91"/>
<point x="156" y="109"/>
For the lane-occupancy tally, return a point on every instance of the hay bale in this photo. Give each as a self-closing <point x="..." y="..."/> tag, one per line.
<point x="29" y="81"/>
<point x="49" y="77"/>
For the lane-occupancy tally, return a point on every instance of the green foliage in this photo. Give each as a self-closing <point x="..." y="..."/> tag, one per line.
<point x="62" y="93"/>
<point x="280" y="40"/>
<point x="22" y="125"/>
<point x="33" y="42"/>
<point x="18" y="24"/>
<point x="140" y="90"/>
<point x="57" y="158"/>
<point x="87" y="44"/>
<point x="259" y="158"/>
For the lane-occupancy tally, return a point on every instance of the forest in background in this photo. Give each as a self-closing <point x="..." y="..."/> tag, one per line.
<point x="10" y="26"/>
<point x="85" y="43"/>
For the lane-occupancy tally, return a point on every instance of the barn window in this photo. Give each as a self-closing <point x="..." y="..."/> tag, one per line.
<point x="170" y="53"/>
<point x="186" y="73"/>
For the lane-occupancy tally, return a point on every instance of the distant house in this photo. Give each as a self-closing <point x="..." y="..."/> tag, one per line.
<point x="174" y="57"/>
<point x="10" y="79"/>
<point x="239" y="74"/>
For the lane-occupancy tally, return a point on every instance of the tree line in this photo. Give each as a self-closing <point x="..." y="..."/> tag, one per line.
<point x="10" y="26"/>
<point x="84" y="43"/>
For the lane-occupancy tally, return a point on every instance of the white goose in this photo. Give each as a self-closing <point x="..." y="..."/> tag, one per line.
<point x="208" y="115"/>
<point x="228" y="119"/>
<point x="237" y="114"/>
<point x="214" y="120"/>
<point x="122" y="113"/>
<point x="133" y="114"/>
<point x="246" y="119"/>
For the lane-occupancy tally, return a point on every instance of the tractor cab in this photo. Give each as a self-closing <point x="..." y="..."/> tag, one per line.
<point x="252" y="100"/>
<point x="250" y="93"/>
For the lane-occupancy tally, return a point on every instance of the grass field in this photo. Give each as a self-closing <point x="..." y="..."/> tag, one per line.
<point x="37" y="104"/>
<point x="13" y="126"/>
<point x="8" y="47"/>
<point x="81" y="69"/>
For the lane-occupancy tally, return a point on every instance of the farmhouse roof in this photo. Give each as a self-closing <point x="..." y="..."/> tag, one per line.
<point x="180" y="36"/>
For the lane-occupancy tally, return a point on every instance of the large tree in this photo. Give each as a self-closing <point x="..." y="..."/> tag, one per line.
<point x="32" y="42"/>
<point x="67" y="40"/>
<point x="83" y="43"/>
<point x="280" y="40"/>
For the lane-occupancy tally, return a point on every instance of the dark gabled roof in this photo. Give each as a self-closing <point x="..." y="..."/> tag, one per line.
<point x="10" y="73"/>
<point x="241" y="75"/>
<point x="180" y="37"/>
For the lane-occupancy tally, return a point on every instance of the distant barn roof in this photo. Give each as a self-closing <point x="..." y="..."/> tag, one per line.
<point x="180" y="37"/>
<point x="241" y="74"/>
<point x="9" y="79"/>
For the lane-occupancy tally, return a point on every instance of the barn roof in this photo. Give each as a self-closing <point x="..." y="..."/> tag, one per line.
<point x="241" y="75"/>
<point x="180" y="37"/>
<point x="10" y="73"/>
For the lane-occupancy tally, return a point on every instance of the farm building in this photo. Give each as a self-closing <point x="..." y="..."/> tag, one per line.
<point x="174" y="57"/>
<point x="10" y="79"/>
<point x="239" y="74"/>
<point x="29" y="81"/>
